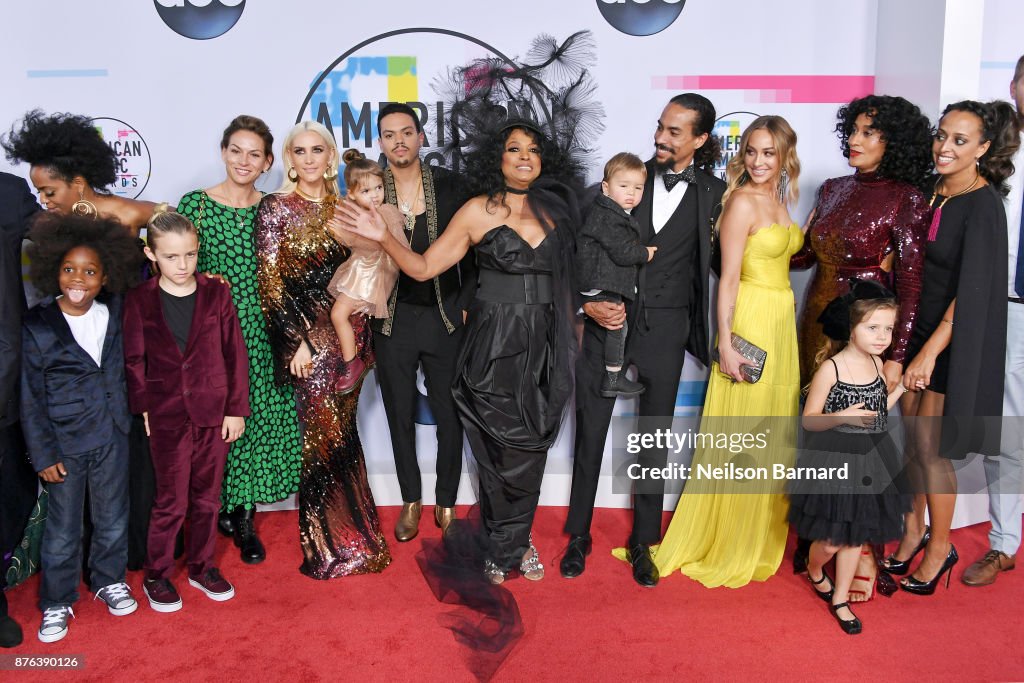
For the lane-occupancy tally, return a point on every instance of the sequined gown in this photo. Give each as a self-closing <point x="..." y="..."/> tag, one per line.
<point x="338" y="524"/>
<point x="859" y="221"/>
<point x="727" y="531"/>
<point x="866" y="506"/>
<point x="263" y="464"/>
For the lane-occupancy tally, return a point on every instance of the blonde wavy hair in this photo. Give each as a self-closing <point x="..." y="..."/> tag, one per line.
<point x="784" y="138"/>
<point x="289" y="185"/>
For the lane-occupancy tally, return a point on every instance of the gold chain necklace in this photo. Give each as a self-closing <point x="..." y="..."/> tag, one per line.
<point x="409" y="210"/>
<point x="933" y="229"/>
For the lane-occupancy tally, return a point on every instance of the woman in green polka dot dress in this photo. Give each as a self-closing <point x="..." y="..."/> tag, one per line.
<point x="263" y="465"/>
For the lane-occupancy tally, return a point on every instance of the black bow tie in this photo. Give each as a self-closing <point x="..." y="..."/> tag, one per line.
<point x="672" y="178"/>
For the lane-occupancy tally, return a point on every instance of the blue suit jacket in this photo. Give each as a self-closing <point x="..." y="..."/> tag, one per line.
<point x="69" y="405"/>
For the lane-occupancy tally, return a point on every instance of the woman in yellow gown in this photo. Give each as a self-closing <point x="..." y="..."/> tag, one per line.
<point x="728" y="532"/>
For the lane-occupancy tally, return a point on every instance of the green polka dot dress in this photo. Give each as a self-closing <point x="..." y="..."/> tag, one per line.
<point x="263" y="466"/>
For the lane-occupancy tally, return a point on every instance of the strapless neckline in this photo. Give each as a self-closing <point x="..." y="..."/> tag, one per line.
<point x="775" y="225"/>
<point x="522" y="239"/>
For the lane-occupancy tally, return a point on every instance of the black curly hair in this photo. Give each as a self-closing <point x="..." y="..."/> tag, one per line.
<point x="906" y="132"/>
<point x="1000" y="127"/>
<point x="53" y="235"/>
<point x="483" y="164"/>
<point x="67" y="144"/>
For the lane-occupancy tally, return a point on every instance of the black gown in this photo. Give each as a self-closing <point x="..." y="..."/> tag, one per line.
<point x="513" y="383"/>
<point x="965" y="259"/>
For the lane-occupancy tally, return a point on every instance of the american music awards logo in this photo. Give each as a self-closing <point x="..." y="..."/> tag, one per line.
<point x="200" y="19"/>
<point x="134" y="163"/>
<point x="728" y="129"/>
<point x="640" y="17"/>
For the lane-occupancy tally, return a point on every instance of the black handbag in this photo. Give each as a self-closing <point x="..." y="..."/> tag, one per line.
<point x="751" y="352"/>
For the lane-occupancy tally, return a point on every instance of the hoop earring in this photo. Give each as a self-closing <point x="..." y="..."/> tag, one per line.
<point x="293" y="175"/>
<point x="83" y="207"/>
<point x="330" y="174"/>
<point x="783" y="186"/>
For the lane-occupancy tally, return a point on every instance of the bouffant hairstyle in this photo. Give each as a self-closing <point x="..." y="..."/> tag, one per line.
<point x="999" y="126"/>
<point x="251" y="124"/>
<point x="53" y="235"/>
<point x="68" y="145"/>
<point x="483" y="165"/>
<point x="358" y="168"/>
<point x="906" y="132"/>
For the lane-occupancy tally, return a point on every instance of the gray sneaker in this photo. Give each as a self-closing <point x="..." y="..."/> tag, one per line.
<point x="118" y="597"/>
<point x="55" y="623"/>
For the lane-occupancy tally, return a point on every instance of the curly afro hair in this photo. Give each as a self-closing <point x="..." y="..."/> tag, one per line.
<point x="67" y="144"/>
<point x="483" y="164"/>
<point x="53" y="235"/>
<point x="904" y="129"/>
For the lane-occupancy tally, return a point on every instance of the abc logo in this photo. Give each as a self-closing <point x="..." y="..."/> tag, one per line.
<point x="200" y="19"/>
<point x="640" y="17"/>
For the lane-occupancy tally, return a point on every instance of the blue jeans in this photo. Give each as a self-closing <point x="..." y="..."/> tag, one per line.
<point x="104" y="473"/>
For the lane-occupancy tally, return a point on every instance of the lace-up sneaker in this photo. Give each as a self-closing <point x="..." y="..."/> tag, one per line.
<point x="213" y="584"/>
<point x="55" y="623"/>
<point x="118" y="597"/>
<point x="162" y="595"/>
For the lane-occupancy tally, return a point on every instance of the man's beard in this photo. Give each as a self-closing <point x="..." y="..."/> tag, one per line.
<point x="405" y="162"/>
<point x="666" y="166"/>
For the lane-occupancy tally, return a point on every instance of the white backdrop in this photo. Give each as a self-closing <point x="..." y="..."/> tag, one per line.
<point x="169" y="95"/>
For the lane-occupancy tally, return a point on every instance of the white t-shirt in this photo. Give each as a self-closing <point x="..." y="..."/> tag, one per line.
<point x="90" y="329"/>
<point x="665" y="203"/>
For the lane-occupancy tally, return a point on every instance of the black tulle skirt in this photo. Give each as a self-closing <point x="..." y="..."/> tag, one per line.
<point x="865" y="499"/>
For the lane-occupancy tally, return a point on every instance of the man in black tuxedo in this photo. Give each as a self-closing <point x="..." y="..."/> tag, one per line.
<point x="18" y="483"/>
<point x="668" y="318"/>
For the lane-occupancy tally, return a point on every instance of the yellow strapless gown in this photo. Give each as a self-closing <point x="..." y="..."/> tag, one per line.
<point x="737" y="533"/>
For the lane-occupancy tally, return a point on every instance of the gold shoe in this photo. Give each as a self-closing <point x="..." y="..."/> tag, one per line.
<point x="408" y="524"/>
<point x="443" y="517"/>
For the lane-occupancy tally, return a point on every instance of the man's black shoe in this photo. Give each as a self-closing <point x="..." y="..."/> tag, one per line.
<point x="645" y="572"/>
<point x="575" y="559"/>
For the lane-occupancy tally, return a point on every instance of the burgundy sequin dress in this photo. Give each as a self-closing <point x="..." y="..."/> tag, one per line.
<point x="338" y="524"/>
<point x="859" y="221"/>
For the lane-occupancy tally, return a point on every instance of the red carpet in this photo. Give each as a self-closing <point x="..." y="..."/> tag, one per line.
<point x="600" y="626"/>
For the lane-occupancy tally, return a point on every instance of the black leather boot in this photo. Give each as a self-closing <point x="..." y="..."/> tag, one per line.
<point x="252" y="550"/>
<point x="225" y="524"/>
<point x="615" y="383"/>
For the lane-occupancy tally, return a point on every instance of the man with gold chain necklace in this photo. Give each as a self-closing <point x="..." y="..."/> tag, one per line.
<point x="424" y="320"/>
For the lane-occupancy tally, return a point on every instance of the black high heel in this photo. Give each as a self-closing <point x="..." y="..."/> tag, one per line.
<point x="918" y="587"/>
<point x="901" y="567"/>
<point x="850" y="626"/>
<point x="827" y="597"/>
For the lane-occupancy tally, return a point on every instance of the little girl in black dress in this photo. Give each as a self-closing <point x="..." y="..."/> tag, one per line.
<point x="844" y="421"/>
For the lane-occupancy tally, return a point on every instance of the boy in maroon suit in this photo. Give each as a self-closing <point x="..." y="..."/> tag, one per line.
<point x="188" y="375"/>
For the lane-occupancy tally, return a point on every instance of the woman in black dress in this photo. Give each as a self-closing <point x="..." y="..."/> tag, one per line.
<point x="957" y="350"/>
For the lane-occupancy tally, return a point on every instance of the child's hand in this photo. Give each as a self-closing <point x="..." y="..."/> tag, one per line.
<point x="857" y="416"/>
<point x="54" y="474"/>
<point x="650" y="253"/>
<point x="145" y="421"/>
<point x="232" y="428"/>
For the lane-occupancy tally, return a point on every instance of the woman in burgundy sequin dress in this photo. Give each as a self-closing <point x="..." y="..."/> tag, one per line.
<point x="870" y="225"/>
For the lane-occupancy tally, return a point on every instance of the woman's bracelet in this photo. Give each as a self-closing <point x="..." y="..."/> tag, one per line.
<point x="948" y="322"/>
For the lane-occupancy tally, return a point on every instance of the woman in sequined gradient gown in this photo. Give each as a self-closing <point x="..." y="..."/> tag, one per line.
<point x="870" y="225"/>
<point x="298" y="253"/>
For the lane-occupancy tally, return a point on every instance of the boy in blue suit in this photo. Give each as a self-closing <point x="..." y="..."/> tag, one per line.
<point x="74" y="407"/>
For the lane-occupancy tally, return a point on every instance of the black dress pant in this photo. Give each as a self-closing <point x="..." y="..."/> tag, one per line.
<point x="419" y="336"/>
<point x="19" y="487"/>
<point x="657" y="346"/>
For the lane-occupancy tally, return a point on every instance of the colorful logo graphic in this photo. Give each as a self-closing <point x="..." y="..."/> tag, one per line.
<point x="728" y="129"/>
<point x="640" y="17"/>
<point x="200" y="19"/>
<point x="133" y="160"/>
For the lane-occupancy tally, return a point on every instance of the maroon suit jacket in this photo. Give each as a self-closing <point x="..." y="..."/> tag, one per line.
<point x="206" y="383"/>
